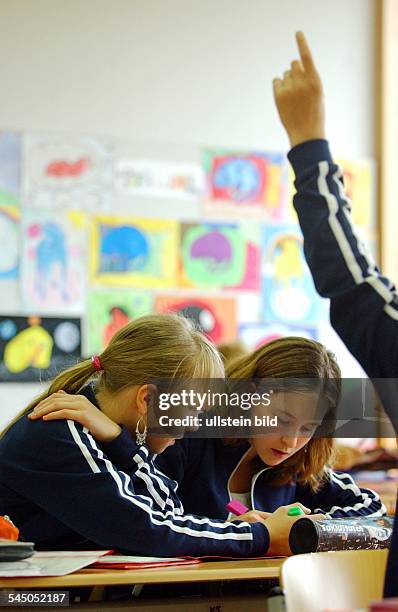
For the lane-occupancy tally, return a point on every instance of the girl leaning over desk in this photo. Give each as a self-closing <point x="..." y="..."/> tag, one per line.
<point x="67" y="487"/>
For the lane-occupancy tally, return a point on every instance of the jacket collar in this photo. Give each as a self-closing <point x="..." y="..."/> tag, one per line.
<point x="239" y="457"/>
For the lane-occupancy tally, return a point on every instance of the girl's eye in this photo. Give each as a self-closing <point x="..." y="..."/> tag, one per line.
<point x="307" y="430"/>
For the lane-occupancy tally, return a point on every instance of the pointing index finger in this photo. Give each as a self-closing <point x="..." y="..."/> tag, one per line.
<point x="305" y="53"/>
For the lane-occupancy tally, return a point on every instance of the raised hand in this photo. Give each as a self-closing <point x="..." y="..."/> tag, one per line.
<point x="299" y="98"/>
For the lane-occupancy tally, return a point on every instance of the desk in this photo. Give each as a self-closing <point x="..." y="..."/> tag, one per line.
<point x="204" y="572"/>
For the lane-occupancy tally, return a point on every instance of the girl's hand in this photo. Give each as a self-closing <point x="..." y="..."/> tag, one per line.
<point x="253" y="516"/>
<point x="279" y="525"/>
<point x="299" y="98"/>
<point x="61" y="405"/>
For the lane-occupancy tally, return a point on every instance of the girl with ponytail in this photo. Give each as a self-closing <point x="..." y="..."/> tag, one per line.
<point x="77" y="470"/>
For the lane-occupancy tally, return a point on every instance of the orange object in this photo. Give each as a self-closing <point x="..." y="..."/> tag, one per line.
<point x="8" y="529"/>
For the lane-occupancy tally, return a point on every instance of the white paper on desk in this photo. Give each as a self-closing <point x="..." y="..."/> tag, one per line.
<point x="52" y="563"/>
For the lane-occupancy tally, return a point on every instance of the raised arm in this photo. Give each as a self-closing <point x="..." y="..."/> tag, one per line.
<point x="364" y="304"/>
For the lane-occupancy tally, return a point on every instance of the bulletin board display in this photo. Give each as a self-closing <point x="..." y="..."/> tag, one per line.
<point x="96" y="233"/>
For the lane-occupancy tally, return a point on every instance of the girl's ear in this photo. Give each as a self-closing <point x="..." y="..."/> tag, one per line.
<point x="142" y="399"/>
<point x="146" y="399"/>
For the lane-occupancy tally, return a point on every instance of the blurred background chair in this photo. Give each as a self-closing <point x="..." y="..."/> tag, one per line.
<point x="333" y="580"/>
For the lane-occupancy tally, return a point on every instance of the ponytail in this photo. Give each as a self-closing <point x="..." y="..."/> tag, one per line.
<point x="151" y="347"/>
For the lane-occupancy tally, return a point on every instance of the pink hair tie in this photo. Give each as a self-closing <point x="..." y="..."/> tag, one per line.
<point x="96" y="361"/>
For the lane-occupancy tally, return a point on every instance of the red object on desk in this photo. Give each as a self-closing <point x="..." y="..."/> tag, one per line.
<point x="8" y="529"/>
<point x="387" y="605"/>
<point x="124" y="563"/>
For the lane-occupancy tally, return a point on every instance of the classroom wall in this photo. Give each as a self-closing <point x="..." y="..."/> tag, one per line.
<point x="178" y="71"/>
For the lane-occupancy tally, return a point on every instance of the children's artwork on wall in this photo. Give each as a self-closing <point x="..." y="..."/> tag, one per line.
<point x="163" y="179"/>
<point x="9" y="240"/>
<point x="54" y="262"/>
<point x="10" y="168"/>
<point x="360" y="187"/>
<point x="220" y="256"/>
<point x="36" y="348"/>
<point x="215" y="316"/>
<point x="255" y="335"/>
<point x="64" y="171"/>
<point x="246" y="181"/>
<point x="133" y="252"/>
<point x="288" y="292"/>
<point x="359" y="177"/>
<point x="108" y="310"/>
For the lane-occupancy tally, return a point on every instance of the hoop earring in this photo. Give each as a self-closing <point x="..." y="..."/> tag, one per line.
<point x="140" y="436"/>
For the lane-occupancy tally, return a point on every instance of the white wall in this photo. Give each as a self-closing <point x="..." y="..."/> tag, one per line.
<point x="183" y="71"/>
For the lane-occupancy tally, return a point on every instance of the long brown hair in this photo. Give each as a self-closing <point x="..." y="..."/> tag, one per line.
<point x="296" y="358"/>
<point x="150" y="347"/>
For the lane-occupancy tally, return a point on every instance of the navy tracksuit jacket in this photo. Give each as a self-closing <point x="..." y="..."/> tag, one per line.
<point x="65" y="490"/>
<point x="363" y="303"/>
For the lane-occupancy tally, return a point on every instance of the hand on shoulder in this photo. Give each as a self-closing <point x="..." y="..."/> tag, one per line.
<point x="61" y="405"/>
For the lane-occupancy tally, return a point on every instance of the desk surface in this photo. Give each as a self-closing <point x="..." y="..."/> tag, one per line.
<point x="220" y="570"/>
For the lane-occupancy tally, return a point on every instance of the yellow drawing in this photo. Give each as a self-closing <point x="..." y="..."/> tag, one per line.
<point x="359" y="183"/>
<point x="30" y="347"/>
<point x="288" y="261"/>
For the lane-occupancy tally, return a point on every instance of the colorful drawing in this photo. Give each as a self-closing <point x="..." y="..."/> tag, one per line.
<point x="288" y="291"/>
<point x="36" y="348"/>
<point x="9" y="240"/>
<point x="360" y="187"/>
<point x="214" y="316"/>
<point x="54" y="261"/>
<point x="67" y="172"/>
<point x="247" y="179"/>
<point x="10" y="168"/>
<point x="109" y="310"/>
<point x="255" y="335"/>
<point x="161" y="179"/>
<point x="128" y="251"/>
<point x="220" y="256"/>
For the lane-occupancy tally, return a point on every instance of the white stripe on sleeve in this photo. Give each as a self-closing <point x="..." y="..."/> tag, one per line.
<point x="126" y="493"/>
<point x="372" y="278"/>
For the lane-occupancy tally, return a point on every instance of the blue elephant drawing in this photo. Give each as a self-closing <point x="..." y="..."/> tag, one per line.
<point x="51" y="261"/>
